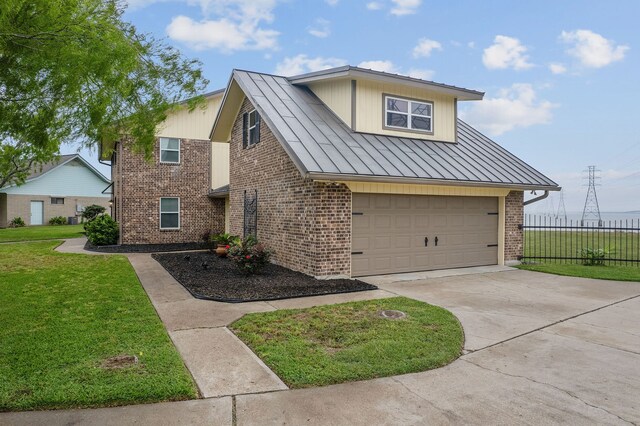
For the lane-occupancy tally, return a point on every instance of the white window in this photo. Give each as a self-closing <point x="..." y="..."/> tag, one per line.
<point x="253" y="128"/>
<point x="169" y="150"/>
<point x="170" y="213"/>
<point x="408" y="114"/>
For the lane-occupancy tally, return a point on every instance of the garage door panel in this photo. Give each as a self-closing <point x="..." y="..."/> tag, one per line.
<point x="390" y="232"/>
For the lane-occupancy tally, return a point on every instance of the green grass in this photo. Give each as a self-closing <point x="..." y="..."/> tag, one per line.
<point x="30" y="233"/>
<point x="61" y="315"/>
<point x="617" y="273"/>
<point x="621" y="245"/>
<point x="339" y="343"/>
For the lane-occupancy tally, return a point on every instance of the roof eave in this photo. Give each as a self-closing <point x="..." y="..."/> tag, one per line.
<point x="422" y="181"/>
<point x="354" y="72"/>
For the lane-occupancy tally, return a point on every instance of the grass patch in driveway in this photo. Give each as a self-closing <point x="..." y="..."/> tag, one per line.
<point x="608" y="272"/>
<point x="64" y="317"/>
<point x="30" y="233"/>
<point x="352" y="341"/>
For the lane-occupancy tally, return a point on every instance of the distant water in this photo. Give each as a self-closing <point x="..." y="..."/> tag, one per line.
<point x="576" y="217"/>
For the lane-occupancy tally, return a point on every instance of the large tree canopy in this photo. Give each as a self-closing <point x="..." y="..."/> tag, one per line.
<point x="75" y="70"/>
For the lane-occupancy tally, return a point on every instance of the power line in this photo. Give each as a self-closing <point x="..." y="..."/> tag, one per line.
<point x="591" y="209"/>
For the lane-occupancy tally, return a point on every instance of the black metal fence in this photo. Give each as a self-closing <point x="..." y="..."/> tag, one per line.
<point x="552" y="240"/>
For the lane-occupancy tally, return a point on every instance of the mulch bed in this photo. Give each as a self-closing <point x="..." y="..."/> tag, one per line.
<point x="146" y="248"/>
<point x="207" y="276"/>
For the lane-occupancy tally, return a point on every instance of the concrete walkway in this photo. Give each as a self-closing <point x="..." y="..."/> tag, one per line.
<point x="539" y="349"/>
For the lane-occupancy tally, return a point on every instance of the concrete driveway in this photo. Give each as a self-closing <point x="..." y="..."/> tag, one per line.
<point x="539" y="349"/>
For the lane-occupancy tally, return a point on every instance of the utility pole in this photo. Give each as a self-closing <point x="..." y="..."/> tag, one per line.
<point x="591" y="209"/>
<point x="562" y="211"/>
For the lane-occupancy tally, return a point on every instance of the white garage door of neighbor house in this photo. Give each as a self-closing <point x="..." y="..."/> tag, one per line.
<point x="408" y="233"/>
<point x="37" y="213"/>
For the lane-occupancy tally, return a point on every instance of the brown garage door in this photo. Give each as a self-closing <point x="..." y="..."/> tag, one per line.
<point x="398" y="233"/>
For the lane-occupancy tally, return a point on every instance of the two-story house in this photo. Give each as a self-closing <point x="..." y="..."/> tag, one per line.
<point x="342" y="172"/>
<point x="358" y="172"/>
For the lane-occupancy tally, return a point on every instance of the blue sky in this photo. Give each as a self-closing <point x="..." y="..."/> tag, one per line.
<point x="561" y="77"/>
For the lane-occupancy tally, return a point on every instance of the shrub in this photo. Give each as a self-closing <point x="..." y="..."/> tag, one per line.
<point x="58" y="220"/>
<point x="16" y="222"/>
<point x="249" y="256"/>
<point x="593" y="257"/>
<point x="102" y="231"/>
<point x="225" y="239"/>
<point x="91" y="212"/>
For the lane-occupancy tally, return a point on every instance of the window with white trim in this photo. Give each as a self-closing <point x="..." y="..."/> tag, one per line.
<point x="408" y="114"/>
<point x="169" y="213"/>
<point x="169" y="150"/>
<point x="252" y="128"/>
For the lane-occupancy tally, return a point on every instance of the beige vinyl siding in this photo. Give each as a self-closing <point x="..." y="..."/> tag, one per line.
<point x="370" y="112"/>
<point x="336" y="94"/>
<point x="219" y="164"/>
<point x="197" y="124"/>
<point x="409" y="189"/>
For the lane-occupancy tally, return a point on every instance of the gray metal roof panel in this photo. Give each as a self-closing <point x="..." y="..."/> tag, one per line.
<point x="320" y="143"/>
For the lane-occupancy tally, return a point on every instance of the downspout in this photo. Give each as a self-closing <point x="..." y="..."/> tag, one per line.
<point x="535" y="200"/>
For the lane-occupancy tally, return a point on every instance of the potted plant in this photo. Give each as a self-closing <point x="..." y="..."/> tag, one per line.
<point x="224" y="242"/>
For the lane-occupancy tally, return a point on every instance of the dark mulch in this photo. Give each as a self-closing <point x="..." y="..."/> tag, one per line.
<point x="207" y="276"/>
<point x="146" y="248"/>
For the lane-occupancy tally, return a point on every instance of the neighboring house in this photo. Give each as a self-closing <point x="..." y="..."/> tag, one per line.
<point x="165" y="199"/>
<point x="60" y="188"/>
<point x="359" y="172"/>
<point x="347" y="172"/>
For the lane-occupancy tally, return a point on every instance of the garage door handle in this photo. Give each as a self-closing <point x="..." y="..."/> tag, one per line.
<point x="426" y="241"/>
<point x="436" y="241"/>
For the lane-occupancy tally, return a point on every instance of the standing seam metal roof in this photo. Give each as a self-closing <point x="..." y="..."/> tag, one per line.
<point x="322" y="145"/>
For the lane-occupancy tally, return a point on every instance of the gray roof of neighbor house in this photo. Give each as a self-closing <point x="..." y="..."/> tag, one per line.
<point x="324" y="147"/>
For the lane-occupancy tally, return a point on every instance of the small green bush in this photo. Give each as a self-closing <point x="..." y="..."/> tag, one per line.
<point x="91" y="212"/>
<point x="593" y="257"/>
<point x="58" y="220"/>
<point x="225" y="239"/>
<point x="16" y="222"/>
<point x="102" y="231"/>
<point x="249" y="256"/>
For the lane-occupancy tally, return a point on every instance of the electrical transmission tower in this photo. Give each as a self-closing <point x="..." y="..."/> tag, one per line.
<point x="591" y="209"/>
<point x="562" y="211"/>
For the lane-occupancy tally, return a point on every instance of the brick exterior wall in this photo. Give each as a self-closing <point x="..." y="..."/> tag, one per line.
<point x="139" y="184"/>
<point x="306" y="223"/>
<point x="514" y="216"/>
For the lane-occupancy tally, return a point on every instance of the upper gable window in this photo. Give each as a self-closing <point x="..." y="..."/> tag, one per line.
<point x="169" y="150"/>
<point x="251" y="128"/>
<point x="408" y="114"/>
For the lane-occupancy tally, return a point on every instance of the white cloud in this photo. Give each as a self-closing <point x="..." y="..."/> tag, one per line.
<point x="471" y="45"/>
<point x="301" y="64"/>
<point x="332" y="2"/>
<point x="384" y="66"/>
<point x="222" y="34"/>
<point x="405" y="7"/>
<point x="592" y="49"/>
<point x="374" y="5"/>
<point x="514" y="107"/>
<point x="556" y="68"/>
<point x="320" y="29"/>
<point x="390" y="67"/>
<point x="424" y="48"/>
<point x="239" y="26"/>
<point x="506" y="52"/>
<point x="421" y="73"/>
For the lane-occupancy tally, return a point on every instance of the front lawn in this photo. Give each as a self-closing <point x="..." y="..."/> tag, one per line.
<point x="352" y="341"/>
<point x="62" y="316"/>
<point x="608" y="272"/>
<point x="30" y="233"/>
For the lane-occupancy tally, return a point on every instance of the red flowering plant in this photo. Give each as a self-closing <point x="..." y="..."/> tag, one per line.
<point x="249" y="256"/>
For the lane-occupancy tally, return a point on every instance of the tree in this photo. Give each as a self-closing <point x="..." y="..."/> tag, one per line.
<point x="75" y="70"/>
<point x="19" y="159"/>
